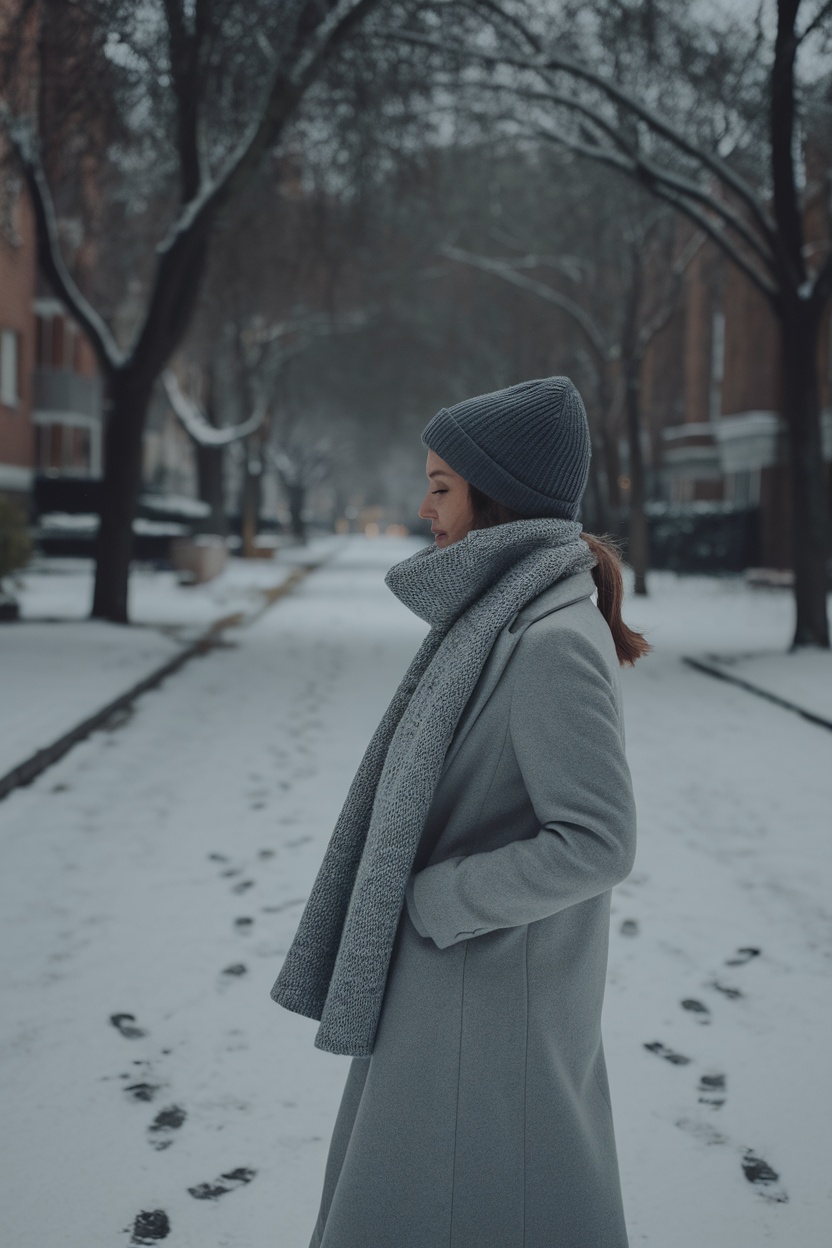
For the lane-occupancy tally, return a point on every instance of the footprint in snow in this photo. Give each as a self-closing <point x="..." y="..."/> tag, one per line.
<point x="242" y="886"/>
<point x="225" y="1183"/>
<point x="244" y="924"/>
<point x="218" y="858"/>
<point x="746" y="954"/>
<point x="703" y="1131"/>
<point x="629" y="927"/>
<point x="125" y="1026"/>
<point x="701" y="1011"/>
<point x="266" y="853"/>
<point x="164" y="1124"/>
<point x="284" y="905"/>
<point x="733" y="994"/>
<point x="661" y="1050"/>
<point x="764" y="1177"/>
<point x="235" y="970"/>
<point x="712" y="1090"/>
<point x="142" y="1091"/>
<point x="150" y="1226"/>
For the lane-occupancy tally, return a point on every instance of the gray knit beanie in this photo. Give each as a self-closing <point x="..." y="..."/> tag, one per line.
<point x="526" y="447"/>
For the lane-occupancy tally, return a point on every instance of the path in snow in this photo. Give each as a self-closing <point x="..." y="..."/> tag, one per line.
<point x="153" y="879"/>
<point x="59" y="667"/>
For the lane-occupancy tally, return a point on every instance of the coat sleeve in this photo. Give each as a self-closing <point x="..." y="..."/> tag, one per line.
<point x="568" y="741"/>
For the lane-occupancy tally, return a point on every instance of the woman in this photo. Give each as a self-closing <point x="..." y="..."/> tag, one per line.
<point x="455" y="941"/>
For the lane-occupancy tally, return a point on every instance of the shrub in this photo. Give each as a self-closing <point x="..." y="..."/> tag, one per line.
<point x="15" y="546"/>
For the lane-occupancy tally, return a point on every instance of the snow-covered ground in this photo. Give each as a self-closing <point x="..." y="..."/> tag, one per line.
<point x="54" y="589"/>
<point x="745" y="632"/>
<point x="59" y="667"/>
<point x="151" y="882"/>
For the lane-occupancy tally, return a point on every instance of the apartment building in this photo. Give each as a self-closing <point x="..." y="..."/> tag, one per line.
<point x="50" y="389"/>
<point x="712" y="399"/>
<point x="18" y="275"/>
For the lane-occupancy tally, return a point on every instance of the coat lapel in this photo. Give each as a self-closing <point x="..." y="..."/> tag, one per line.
<point x="571" y="589"/>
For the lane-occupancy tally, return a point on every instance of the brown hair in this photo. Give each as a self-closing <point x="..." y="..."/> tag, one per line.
<point x="609" y="582"/>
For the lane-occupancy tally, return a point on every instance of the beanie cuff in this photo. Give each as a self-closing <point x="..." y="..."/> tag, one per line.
<point x="450" y="441"/>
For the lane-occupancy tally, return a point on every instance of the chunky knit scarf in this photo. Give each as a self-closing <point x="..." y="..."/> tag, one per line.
<point x="336" y="968"/>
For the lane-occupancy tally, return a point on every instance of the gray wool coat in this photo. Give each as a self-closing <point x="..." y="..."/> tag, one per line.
<point x="482" y="1118"/>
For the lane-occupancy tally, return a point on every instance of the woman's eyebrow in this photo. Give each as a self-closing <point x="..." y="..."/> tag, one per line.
<point x="437" y="472"/>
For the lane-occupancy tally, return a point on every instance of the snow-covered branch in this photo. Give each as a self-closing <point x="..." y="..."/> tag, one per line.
<point x="649" y="171"/>
<point x="705" y="223"/>
<point x="547" y="62"/>
<point x="303" y="466"/>
<point x="281" y="98"/>
<point x="25" y="146"/>
<point x="197" y="425"/>
<point x="508" y="272"/>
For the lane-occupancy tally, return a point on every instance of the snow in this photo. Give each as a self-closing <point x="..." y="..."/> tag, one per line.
<point x="158" y="871"/>
<point x="743" y="631"/>
<point x="804" y="678"/>
<point x="55" y="683"/>
<point x="181" y="503"/>
<point x="59" y="667"/>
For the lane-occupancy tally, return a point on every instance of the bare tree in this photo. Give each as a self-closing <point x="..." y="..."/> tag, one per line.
<point x="636" y="307"/>
<point x="201" y="63"/>
<point x="724" y="146"/>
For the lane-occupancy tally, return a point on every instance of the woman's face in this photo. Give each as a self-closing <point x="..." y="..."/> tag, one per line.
<point x="447" y="503"/>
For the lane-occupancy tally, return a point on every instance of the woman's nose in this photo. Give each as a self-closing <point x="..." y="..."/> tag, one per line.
<point x="425" y="511"/>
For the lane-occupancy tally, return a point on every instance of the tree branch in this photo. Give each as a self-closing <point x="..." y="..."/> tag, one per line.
<point x="677" y="200"/>
<point x="593" y="333"/>
<point x="652" y="172"/>
<point x="25" y="146"/>
<point x="782" y="118"/>
<point x="183" y="53"/>
<point x="196" y="424"/>
<point x="655" y="324"/>
<point x="548" y="61"/>
<point x="281" y="100"/>
<point x="820" y="17"/>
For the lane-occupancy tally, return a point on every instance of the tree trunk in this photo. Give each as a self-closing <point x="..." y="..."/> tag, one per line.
<point x="807" y="472"/>
<point x="123" y="438"/>
<point x="250" y="508"/>
<point x="296" y="498"/>
<point x="209" y="470"/>
<point x="210" y="465"/>
<point x="638" y="548"/>
<point x="609" y="442"/>
<point x="594" y="509"/>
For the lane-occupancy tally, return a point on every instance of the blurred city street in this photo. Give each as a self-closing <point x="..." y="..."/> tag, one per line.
<point x="152" y="881"/>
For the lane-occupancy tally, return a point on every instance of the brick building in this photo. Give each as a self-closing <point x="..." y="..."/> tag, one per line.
<point x="50" y="390"/>
<point x="18" y="275"/>
<point x="712" y="402"/>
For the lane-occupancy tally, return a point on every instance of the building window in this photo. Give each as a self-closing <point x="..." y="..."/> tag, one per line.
<point x="9" y="349"/>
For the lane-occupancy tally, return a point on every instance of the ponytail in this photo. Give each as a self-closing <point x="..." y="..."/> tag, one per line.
<point x="629" y="645"/>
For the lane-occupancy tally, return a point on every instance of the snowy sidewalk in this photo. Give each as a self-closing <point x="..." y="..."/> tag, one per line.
<point x="152" y="880"/>
<point x="739" y="631"/>
<point x="59" y="667"/>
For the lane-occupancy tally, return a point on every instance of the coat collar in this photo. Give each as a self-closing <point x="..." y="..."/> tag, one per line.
<point x="562" y="594"/>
